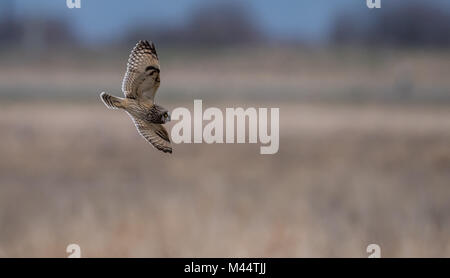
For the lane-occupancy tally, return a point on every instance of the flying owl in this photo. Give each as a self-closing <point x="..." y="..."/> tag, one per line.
<point x="139" y="87"/>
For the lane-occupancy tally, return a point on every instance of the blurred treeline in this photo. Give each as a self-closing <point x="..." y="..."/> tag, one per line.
<point x="412" y="23"/>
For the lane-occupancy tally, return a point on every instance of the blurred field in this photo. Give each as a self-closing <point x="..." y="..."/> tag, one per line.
<point x="346" y="175"/>
<point x="252" y="73"/>
<point x="364" y="157"/>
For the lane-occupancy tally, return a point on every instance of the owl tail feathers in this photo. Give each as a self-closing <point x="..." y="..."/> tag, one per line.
<point x="112" y="102"/>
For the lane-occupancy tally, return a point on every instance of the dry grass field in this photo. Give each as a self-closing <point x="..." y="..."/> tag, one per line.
<point x="364" y="156"/>
<point x="346" y="175"/>
<point x="364" y="136"/>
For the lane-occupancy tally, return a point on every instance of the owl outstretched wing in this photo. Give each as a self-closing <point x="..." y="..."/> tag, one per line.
<point x="141" y="79"/>
<point x="155" y="134"/>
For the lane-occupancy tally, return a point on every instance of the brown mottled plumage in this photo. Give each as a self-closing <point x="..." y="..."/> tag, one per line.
<point x="139" y="86"/>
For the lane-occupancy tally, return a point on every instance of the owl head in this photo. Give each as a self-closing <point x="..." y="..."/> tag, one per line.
<point x="158" y="115"/>
<point x="165" y="117"/>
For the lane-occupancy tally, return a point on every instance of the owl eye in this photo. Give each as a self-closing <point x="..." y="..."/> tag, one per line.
<point x="165" y="115"/>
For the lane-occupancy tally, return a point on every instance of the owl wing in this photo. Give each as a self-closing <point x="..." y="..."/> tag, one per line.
<point x="155" y="134"/>
<point x="141" y="79"/>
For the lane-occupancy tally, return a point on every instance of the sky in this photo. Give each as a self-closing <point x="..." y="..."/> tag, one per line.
<point x="100" y="20"/>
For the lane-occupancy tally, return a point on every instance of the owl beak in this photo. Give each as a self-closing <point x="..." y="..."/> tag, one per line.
<point x="168" y="117"/>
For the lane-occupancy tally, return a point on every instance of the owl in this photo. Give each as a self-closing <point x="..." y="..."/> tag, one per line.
<point x="139" y="87"/>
